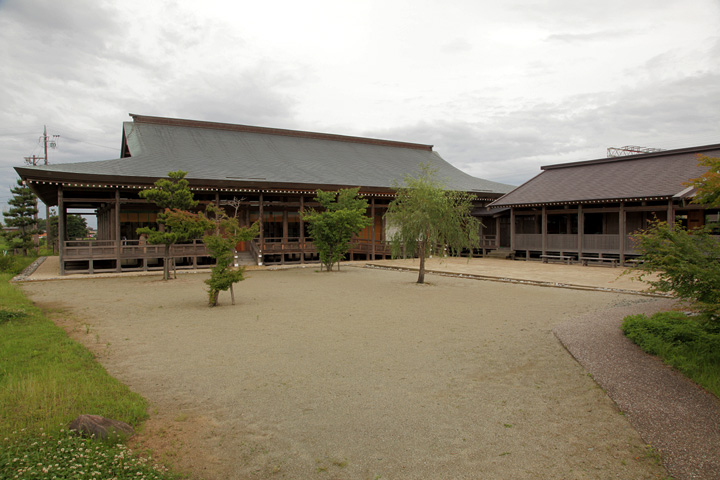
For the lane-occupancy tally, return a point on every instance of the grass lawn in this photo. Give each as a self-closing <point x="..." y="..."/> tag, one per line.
<point x="46" y="380"/>
<point x="682" y="342"/>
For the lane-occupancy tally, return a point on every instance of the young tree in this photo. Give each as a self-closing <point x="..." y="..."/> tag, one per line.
<point x="425" y="217"/>
<point x="332" y="228"/>
<point x="221" y="245"/>
<point x="174" y="196"/>
<point x="21" y="215"/>
<point x="686" y="263"/>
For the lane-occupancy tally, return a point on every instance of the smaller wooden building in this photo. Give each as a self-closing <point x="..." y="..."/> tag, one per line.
<point x="260" y="174"/>
<point x="589" y="209"/>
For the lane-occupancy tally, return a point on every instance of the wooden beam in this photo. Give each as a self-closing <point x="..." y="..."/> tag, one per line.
<point x="118" y="244"/>
<point x="61" y="230"/>
<point x="543" y="230"/>
<point x="581" y="229"/>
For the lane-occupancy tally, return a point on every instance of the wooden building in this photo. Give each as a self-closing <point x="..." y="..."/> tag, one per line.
<point x="588" y="210"/>
<point x="261" y="174"/>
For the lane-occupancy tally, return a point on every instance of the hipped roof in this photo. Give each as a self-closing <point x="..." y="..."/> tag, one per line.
<point x="227" y="154"/>
<point x="658" y="175"/>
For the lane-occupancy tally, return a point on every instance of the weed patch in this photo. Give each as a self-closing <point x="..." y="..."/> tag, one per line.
<point x="63" y="454"/>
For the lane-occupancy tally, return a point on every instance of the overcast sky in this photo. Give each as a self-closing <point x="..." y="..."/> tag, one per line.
<point x="498" y="87"/>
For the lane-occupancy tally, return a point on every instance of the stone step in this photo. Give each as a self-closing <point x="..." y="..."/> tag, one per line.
<point x="244" y="259"/>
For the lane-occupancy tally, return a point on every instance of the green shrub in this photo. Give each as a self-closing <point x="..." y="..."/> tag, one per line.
<point x="687" y="343"/>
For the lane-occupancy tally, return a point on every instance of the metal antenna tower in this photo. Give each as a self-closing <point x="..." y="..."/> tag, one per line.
<point x="630" y="150"/>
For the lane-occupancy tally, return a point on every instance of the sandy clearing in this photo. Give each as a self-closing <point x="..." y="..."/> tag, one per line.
<point x="357" y="374"/>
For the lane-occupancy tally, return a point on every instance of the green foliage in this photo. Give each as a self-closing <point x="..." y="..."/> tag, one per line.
<point x="332" y="228"/>
<point x="75" y="226"/>
<point x="176" y="224"/>
<point x="221" y="245"/>
<point x="426" y="218"/>
<point x="708" y="184"/>
<point x="682" y="262"/>
<point x="65" y="455"/>
<point x="21" y="215"/>
<point x="690" y="346"/>
<point x="173" y="192"/>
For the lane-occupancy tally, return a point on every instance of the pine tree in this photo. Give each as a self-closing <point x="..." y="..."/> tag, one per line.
<point x="21" y="216"/>
<point x="172" y="194"/>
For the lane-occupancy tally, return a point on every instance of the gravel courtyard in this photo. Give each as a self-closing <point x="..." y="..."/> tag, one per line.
<point x="357" y="374"/>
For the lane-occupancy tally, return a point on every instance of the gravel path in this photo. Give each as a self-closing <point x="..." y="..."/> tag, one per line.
<point x="671" y="413"/>
<point x="357" y="374"/>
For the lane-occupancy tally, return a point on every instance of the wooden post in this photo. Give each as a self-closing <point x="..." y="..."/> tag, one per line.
<point x="372" y="229"/>
<point x="512" y="229"/>
<point x="262" y="230"/>
<point x="543" y="220"/>
<point x="118" y="237"/>
<point x="302" y="229"/>
<point x="671" y="213"/>
<point x="581" y="229"/>
<point x="622" y="227"/>
<point x="497" y="232"/>
<point x="61" y="230"/>
<point x="284" y="235"/>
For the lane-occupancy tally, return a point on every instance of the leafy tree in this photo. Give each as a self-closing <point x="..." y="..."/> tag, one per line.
<point x="76" y="226"/>
<point x="221" y="245"/>
<point x="686" y="263"/>
<point x="332" y="228"/>
<point x="172" y="194"/>
<point x="708" y="184"/>
<point x="425" y="217"/>
<point x="21" y="216"/>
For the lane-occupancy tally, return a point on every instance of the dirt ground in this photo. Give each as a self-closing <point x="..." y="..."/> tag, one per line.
<point x="357" y="374"/>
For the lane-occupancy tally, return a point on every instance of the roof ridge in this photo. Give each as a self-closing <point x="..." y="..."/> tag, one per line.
<point x="179" y="122"/>
<point x="638" y="156"/>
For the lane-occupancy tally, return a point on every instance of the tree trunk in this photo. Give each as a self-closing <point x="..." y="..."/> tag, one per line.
<point x="421" y="270"/>
<point x="166" y="263"/>
<point x="232" y="294"/>
<point x="213" y="298"/>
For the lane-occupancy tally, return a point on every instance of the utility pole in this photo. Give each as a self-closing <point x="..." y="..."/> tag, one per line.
<point x="52" y="141"/>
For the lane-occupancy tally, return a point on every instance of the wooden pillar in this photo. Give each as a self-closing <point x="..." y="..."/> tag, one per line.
<point x="61" y="230"/>
<point x="581" y="229"/>
<point x="262" y="229"/>
<point x="118" y="236"/>
<point x="671" y="213"/>
<point x="302" y="229"/>
<point x="497" y="232"/>
<point x="543" y="220"/>
<point x="372" y="228"/>
<point x="217" y="199"/>
<point x="512" y="229"/>
<point x="284" y="235"/>
<point x="622" y="227"/>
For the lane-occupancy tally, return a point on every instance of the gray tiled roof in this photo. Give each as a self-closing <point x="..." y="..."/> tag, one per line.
<point x="237" y="154"/>
<point x="661" y="174"/>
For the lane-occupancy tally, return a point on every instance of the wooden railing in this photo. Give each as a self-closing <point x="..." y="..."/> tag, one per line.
<point x="107" y="249"/>
<point x="569" y="242"/>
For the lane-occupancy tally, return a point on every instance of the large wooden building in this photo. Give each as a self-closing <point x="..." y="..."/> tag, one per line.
<point x="261" y="174"/>
<point x="590" y="209"/>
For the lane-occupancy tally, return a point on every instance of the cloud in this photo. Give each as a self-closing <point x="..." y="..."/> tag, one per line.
<point x="510" y="146"/>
